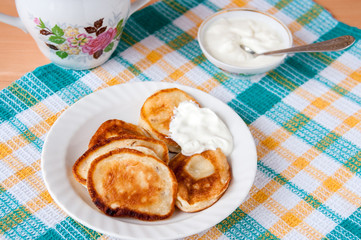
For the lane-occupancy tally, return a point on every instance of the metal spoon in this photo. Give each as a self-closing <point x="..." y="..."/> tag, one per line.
<point x="334" y="44"/>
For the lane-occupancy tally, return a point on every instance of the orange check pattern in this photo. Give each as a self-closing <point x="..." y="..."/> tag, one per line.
<point x="305" y="117"/>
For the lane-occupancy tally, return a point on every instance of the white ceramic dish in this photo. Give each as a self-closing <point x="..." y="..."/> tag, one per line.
<point x="250" y="14"/>
<point x="69" y="137"/>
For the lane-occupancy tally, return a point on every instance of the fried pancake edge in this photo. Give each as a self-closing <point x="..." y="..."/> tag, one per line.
<point x="146" y="124"/>
<point x="117" y="127"/>
<point x="171" y="145"/>
<point x="126" y="212"/>
<point x="79" y="162"/>
<point x="178" y="163"/>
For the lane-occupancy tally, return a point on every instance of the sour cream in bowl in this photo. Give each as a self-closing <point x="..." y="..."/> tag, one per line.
<point x="221" y="34"/>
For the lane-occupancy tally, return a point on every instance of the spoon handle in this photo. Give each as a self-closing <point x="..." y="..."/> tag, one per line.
<point x="335" y="44"/>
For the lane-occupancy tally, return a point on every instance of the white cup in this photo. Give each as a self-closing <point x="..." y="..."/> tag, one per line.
<point x="74" y="34"/>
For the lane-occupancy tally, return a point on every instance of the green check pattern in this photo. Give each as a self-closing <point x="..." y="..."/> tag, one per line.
<point x="304" y="116"/>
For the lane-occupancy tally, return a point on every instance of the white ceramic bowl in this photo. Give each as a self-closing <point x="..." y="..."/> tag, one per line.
<point x="251" y="14"/>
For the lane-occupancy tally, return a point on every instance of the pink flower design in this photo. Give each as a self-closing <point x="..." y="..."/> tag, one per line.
<point x="79" y="40"/>
<point x="100" y="42"/>
<point x="37" y="21"/>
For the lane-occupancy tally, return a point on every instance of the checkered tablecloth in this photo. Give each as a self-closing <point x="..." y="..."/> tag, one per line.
<point x="305" y="118"/>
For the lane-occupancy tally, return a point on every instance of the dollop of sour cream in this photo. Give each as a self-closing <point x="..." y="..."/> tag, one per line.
<point x="223" y="37"/>
<point x="197" y="129"/>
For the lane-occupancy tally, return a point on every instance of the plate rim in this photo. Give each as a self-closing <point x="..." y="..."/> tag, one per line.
<point x="157" y="86"/>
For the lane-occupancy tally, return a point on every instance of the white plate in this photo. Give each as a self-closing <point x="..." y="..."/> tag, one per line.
<point x="69" y="137"/>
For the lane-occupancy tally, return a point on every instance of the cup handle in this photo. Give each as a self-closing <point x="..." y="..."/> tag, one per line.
<point x="134" y="6"/>
<point x="13" y="21"/>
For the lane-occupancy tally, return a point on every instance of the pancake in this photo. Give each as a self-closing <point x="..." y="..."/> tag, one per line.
<point x="113" y="128"/>
<point x="149" y="146"/>
<point x="157" y="111"/>
<point x="202" y="179"/>
<point x="126" y="182"/>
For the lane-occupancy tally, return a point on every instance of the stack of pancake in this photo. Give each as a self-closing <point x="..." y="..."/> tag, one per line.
<point x="127" y="171"/>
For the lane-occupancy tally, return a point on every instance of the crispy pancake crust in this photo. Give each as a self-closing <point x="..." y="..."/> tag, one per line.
<point x="126" y="182"/>
<point x="202" y="179"/>
<point x="81" y="166"/>
<point x="157" y="111"/>
<point x="113" y="128"/>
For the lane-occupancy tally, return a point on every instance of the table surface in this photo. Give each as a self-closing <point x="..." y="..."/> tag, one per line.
<point x="19" y="53"/>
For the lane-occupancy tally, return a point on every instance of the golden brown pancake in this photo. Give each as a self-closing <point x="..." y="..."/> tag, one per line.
<point x="202" y="179"/>
<point x="147" y="145"/>
<point x="157" y="111"/>
<point x="126" y="182"/>
<point x="113" y="128"/>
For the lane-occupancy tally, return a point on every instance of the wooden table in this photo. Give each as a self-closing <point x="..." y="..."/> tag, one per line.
<point x="19" y="53"/>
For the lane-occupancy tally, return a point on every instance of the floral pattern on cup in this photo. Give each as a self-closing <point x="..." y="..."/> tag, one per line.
<point x="92" y="40"/>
